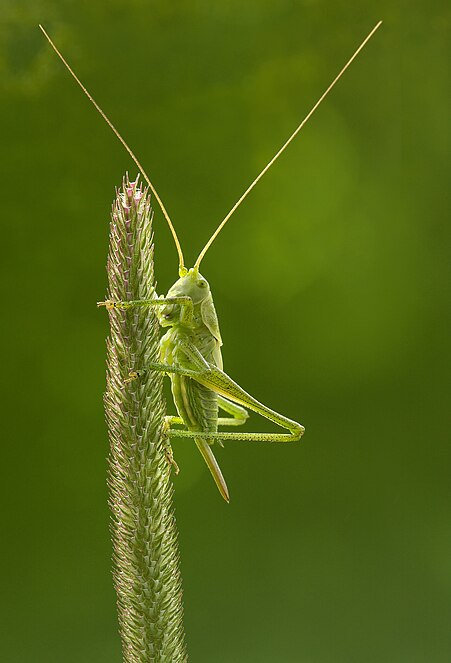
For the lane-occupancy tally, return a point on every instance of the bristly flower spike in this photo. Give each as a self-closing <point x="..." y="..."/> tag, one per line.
<point x="146" y="558"/>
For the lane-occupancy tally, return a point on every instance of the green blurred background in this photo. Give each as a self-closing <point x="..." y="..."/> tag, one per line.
<point x="332" y="289"/>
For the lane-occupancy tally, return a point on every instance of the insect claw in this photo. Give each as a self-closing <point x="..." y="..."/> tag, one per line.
<point x="170" y="459"/>
<point x="108" y="303"/>
<point x="173" y="464"/>
<point x="133" y="375"/>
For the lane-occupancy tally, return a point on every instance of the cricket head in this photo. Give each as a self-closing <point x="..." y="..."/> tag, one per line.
<point x="190" y="284"/>
<point x="193" y="285"/>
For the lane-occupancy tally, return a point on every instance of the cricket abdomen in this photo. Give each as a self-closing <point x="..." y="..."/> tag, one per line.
<point x="196" y="404"/>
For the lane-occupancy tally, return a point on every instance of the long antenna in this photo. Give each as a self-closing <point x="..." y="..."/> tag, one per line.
<point x="276" y="156"/>
<point x="118" y="135"/>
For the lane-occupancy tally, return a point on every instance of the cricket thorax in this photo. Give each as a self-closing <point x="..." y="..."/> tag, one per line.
<point x="173" y="342"/>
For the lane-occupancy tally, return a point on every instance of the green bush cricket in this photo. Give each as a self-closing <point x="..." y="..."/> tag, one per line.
<point x="191" y="348"/>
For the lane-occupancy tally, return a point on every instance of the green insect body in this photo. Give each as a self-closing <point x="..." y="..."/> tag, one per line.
<point x="191" y="348"/>
<point x="194" y="343"/>
<point x="191" y="356"/>
<point x="196" y="404"/>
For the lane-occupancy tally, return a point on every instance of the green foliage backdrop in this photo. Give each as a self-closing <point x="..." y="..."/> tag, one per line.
<point x="332" y="287"/>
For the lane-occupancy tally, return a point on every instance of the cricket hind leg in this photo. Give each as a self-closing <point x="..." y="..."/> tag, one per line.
<point x="232" y="393"/>
<point x="214" y="378"/>
<point x="239" y="414"/>
<point x="223" y="385"/>
<point x="231" y="398"/>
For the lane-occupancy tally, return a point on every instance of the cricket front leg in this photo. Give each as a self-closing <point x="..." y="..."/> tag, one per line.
<point x="186" y="304"/>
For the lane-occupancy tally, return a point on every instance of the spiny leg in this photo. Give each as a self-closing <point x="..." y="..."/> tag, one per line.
<point x="215" y="379"/>
<point x="224" y="386"/>
<point x="186" y="304"/>
<point x="250" y="437"/>
<point x="162" y="368"/>
<point x="134" y="303"/>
